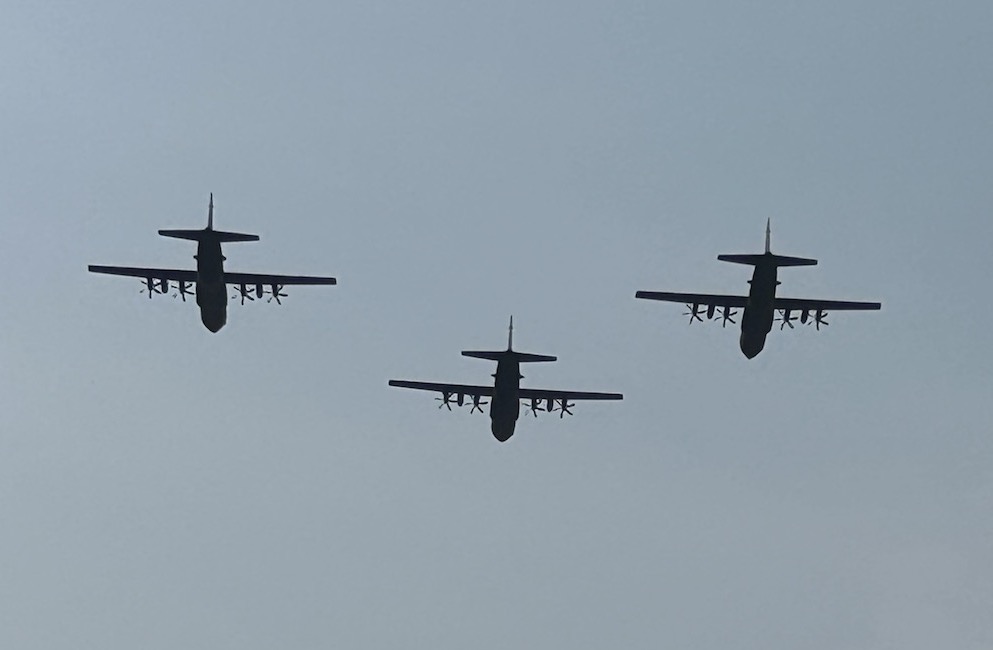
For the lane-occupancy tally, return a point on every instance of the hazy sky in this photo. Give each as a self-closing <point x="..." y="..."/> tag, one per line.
<point x="453" y="163"/>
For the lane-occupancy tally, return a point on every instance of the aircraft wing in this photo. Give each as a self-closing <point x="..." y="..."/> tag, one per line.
<point x="542" y="394"/>
<point x="451" y="389"/>
<point x="801" y="304"/>
<point x="176" y="275"/>
<point x="282" y="280"/>
<point x="694" y="298"/>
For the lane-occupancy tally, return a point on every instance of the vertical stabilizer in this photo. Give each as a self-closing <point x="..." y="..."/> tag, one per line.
<point x="208" y="233"/>
<point x="508" y="354"/>
<point x="768" y="258"/>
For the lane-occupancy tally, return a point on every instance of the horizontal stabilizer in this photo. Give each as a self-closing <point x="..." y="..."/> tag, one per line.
<point x="524" y="357"/>
<point x="520" y="357"/>
<point x="208" y="235"/>
<point x="769" y="259"/>
<point x="233" y="236"/>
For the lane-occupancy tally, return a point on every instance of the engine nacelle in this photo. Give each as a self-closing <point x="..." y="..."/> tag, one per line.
<point x="476" y="404"/>
<point x="148" y="284"/>
<point x="694" y="312"/>
<point x="819" y="317"/>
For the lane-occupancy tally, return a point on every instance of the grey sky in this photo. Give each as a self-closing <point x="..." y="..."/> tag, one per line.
<point x="453" y="163"/>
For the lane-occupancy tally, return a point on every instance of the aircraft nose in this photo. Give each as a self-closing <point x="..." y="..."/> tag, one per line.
<point x="212" y="320"/>
<point x="502" y="433"/>
<point x="750" y="345"/>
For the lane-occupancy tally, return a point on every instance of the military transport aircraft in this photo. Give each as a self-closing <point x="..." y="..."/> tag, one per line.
<point x="210" y="280"/>
<point x="506" y="392"/>
<point x="761" y="303"/>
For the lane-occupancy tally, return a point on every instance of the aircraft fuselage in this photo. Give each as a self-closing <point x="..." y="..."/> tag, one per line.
<point x="212" y="295"/>
<point x="756" y="321"/>
<point x="505" y="407"/>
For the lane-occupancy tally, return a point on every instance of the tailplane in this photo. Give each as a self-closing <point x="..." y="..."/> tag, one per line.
<point x="208" y="233"/>
<point x="521" y="357"/>
<point x="768" y="258"/>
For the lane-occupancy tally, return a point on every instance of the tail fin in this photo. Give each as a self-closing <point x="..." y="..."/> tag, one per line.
<point x="521" y="357"/>
<point x="208" y="233"/>
<point x="768" y="258"/>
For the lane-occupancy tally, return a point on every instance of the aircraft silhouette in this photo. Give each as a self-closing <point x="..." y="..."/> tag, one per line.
<point x="506" y="393"/>
<point x="761" y="303"/>
<point x="210" y="280"/>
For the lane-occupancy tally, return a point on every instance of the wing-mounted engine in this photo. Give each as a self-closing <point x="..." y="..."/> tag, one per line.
<point x="815" y="317"/>
<point x="563" y="407"/>
<point x="183" y="289"/>
<point x="275" y="292"/>
<point x="161" y="286"/>
<point x="245" y="292"/>
<point x="532" y="406"/>
<point x="723" y="314"/>
<point x="786" y="317"/>
<point x="154" y="286"/>
<point x="694" y="312"/>
<point x="474" y="403"/>
<point x="548" y="405"/>
<point x="446" y="400"/>
<point x="818" y="318"/>
<point x="726" y="316"/>
<point x="251" y="292"/>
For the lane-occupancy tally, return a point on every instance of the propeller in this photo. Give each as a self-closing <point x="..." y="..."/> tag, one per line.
<point x="183" y="289"/>
<point x="726" y="316"/>
<point x="785" y="318"/>
<point x="819" y="316"/>
<point x="445" y="399"/>
<point x="693" y="313"/>
<point x="476" y="404"/>
<point x="244" y="292"/>
<point x="563" y="408"/>
<point x="276" y="294"/>
<point x="151" y="285"/>
<point x="534" y="406"/>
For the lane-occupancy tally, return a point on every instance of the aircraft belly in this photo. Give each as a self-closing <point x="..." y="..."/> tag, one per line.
<point x="503" y="430"/>
<point x="504" y="411"/>
<point x="751" y="343"/>
<point x="213" y="301"/>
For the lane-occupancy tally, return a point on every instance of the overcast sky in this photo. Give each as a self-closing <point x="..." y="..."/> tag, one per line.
<point x="453" y="163"/>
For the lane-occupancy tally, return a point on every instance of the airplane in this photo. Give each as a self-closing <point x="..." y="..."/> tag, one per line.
<point x="761" y="303"/>
<point x="210" y="280"/>
<point x="506" y="393"/>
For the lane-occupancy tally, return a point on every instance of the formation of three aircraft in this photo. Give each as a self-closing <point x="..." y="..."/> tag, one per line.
<point x="210" y="281"/>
